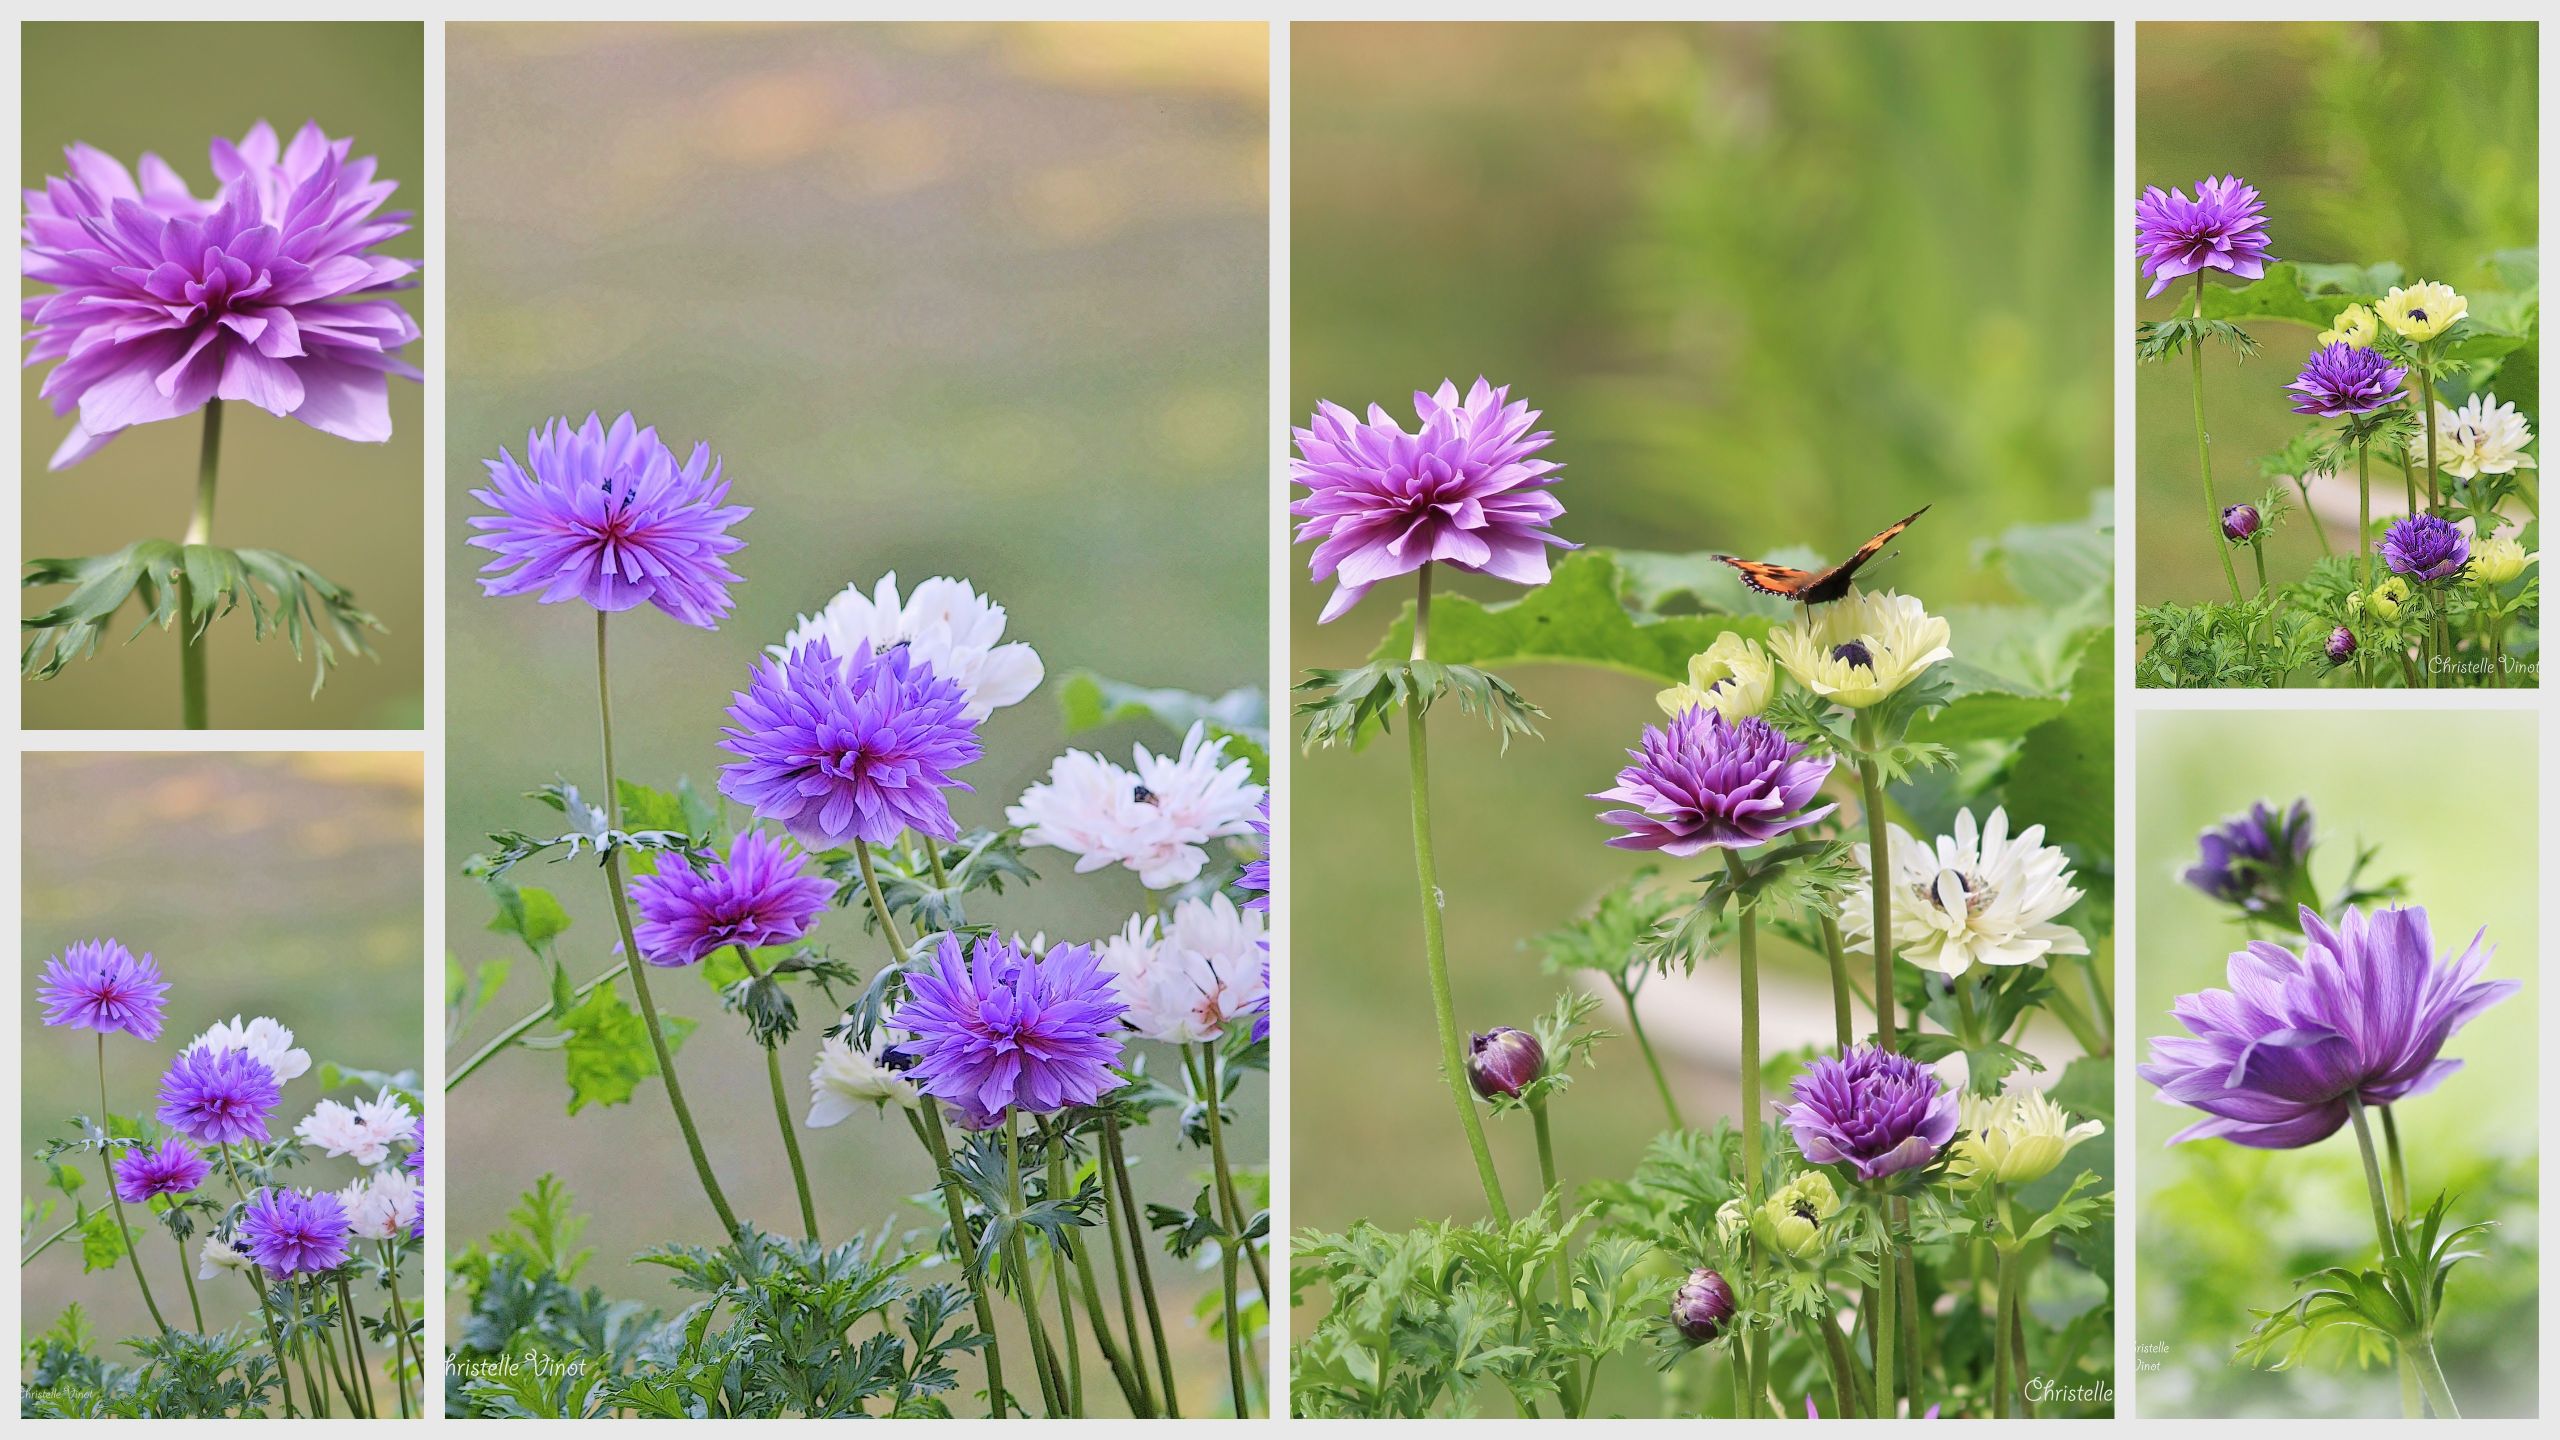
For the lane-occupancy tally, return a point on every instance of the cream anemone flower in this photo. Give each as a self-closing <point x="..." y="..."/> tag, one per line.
<point x="1978" y="896"/>
<point x="2497" y="560"/>
<point x="2484" y="437"/>
<point x="2354" y="325"/>
<point x="1863" y="647"/>
<point x="845" y="1079"/>
<point x="1732" y="677"/>
<point x="2014" y="1137"/>
<point x="2422" y="311"/>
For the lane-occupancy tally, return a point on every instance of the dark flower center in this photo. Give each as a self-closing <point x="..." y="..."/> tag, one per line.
<point x="1143" y="795"/>
<point x="2418" y="315"/>
<point x="1855" y="653"/>
<point x="1804" y="1212"/>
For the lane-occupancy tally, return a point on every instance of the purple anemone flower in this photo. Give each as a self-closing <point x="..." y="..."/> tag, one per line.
<point x="1874" y="1110"/>
<point x="1003" y="1030"/>
<point x="2251" y="860"/>
<point x="100" y="985"/>
<point x="2340" y="380"/>
<point x="762" y="894"/>
<point x="173" y="1167"/>
<point x="2223" y="228"/>
<point x="294" y="1232"/>
<point x="607" y="516"/>
<point x="2360" y="1014"/>
<point x="2239" y="522"/>
<point x="2425" y="547"/>
<point x="1703" y="780"/>
<point x="417" y="1167"/>
<point x="849" y="750"/>
<point x="267" y="293"/>
<point x="1702" y="1307"/>
<point x="2342" y="645"/>
<point x="1257" y="871"/>
<point x="219" y="1097"/>
<point x="1463" y="490"/>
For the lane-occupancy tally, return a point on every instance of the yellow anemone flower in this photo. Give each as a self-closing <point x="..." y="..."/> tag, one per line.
<point x="2423" y="311"/>
<point x="2355" y="325"/>
<point x="1863" y="647"/>
<point x="2013" y="1138"/>
<point x="2499" y="560"/>
<point x="1732" y="677"/>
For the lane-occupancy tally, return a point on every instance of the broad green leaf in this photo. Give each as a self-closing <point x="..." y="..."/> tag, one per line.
<point x="103" y="1242"/>
<point x="1576" y="618"/>
<point x="528" y="912"/>
<point x="1087" y="701"/>
<point x="608" y="1049"/>
<point x="2064" y="779"/>
<point x="2304" y="294"/>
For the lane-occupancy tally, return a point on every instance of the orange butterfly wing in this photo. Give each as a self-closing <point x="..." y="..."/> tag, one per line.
<point x="1817" y="588"/>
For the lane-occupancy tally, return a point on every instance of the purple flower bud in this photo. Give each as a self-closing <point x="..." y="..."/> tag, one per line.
<point x="1502" y="1061"/>
<point x="2342" y="645"/>
<point x="1853" y="653"/>
<point x="2239" y="522"/>
<point x="1702" y="1306"/>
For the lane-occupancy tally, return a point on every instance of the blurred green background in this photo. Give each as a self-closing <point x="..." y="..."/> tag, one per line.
<point x="264" y="884"/>
<point x="1772" y="286"/>
<point x="2225" y="1228"/>
<point x="350" y="511"/>
<point x="986" y="301"/>
<point x="2370" y="142"/>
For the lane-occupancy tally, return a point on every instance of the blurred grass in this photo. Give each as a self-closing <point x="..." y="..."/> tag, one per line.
<point x="264" y="884"/>
<point x="2370" y="142"/>
<point x="351" y="511"/>
<point x="1772" y="285"/>
<point x="2223" y="1228"/>
<point x="986" y="301"/>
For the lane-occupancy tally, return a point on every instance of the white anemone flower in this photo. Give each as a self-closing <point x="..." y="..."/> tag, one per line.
<point x="1863" y="647"/>
<point x="2484" y="437"/>
<point x="264" y="1039"/>
<point x="1732" y="677"/>
<point x="845" y="1079"/>
<point x="946" y="623"/>
<point x="1156" y="818"/>
<point x="1975" y="897"/>
<point x="216" y="1259"/>
<point x="380" y="1206"/>
<point x="367" y="1130"/>
<point x="1189" y="978"/>
<point x="2014" y="1137"/>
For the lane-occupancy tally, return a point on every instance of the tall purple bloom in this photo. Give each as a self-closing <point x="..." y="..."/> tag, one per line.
<point x="1003" y="1030"/>
<point x="1257" y="871"/>
<point x="1703" y="780"/>
<point x="100" y="985"/>
<point x="268" y="293"/>
<point x="2340" y="380"/>
<point x="1874" y="1110"/>
<point x="763" y="894"/>
<point x="2251" y="860"/>
<point x="847" y="750"/>
<point x="2425" y="547"/>
<point x="2223" y="228"/>
<point x="173" y="1167"/>
<point x="294" y="1232"/>
<point x="607" y="516"/>
<point x="2360" y="1014"/>
<point x="417" y="1167"/>
<point x="219" y="1097"/>
<point x="1463" y="490"/>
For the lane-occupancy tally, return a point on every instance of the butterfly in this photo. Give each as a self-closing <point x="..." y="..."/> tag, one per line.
<point x="1817" y="587"/>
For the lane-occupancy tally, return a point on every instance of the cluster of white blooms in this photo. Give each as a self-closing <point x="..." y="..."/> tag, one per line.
<point x="1155" y="819"/>
<point x="367" y="1130"/>
<point x="263" y="1039"/>
<point x="2484" y="437"/>
<point x="845" y="1078"/>
<point x="382" y="1205"/>
<point x="1188" y="977"/>
<point x="946" y="624"/>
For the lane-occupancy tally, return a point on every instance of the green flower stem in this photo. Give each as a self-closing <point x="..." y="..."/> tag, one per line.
<point x="106" y="1162"/>
<point x="191" y="674"/>
<point x="1906" y="1294"/>
<point x="355" y="1346"/>
<point x="2319" y="531"/>
<point x="2399" y="1190"/>
<point x="1067" y="1340"/>
<point x="2259" y="553"/>
<point x="258" y="1282"/>
<point x="400" y="1332"/>
<point x="782" y="1113"/>
<point x="1132" y="1386"/>
<point x="1453" y="1064"/>
<point x="2068" y="1011"/>
<point x="525" y="1026"/>
<point x="1026" y="1281"/>
<point x="1835" y="1352"/>
<point x="48" y="1243"/>
<point x="1644" y="1047"/>
<point x="2427" y="424"/>
<point x="2409" y="480"/>
<point x="2444" y="635"/>
<point x="1137" y="1363"/>
<point x="2204" y="455"/>
<point x="311" y="1387"/>
<point x="2419" y="1350"/>
<point x="1212" y="1071"/>
<point x="2017" y="1340"/>
<point x="1747" y="947"/>
<point x="1842" y="1022"/>
<point x="638" y="970"/>
<point x="2364" y="557"/>
<point x="1234" y="1240"/>
<point x="1880" y="879"/>
<point x="1888" y="1272"/>
<point x="1547" y="1178"/>
<point x="187" y="1272"/>
<point x="2004" y="1383"/>
<point x="928" y="1128"/>
<point x="1133" y="1217"/>
<point x="2422" y="1358"/>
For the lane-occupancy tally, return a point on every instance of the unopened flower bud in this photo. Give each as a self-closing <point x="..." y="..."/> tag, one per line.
<point x="1702" y="1307"/>
<point x="2388" y="595"/>
<point x="2342" y="645"/>
<point x="2239" y="522"/>
<point x="1502" y="1061"/>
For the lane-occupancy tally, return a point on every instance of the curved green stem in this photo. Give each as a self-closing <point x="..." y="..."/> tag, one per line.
<point x="1843" y="1021"/>
<point x="638" y="968"/>
<point x="2418" y="1350"/>
<point x="782" y="1114"/>
<point x="2364" y="557"/>
<point x="356" y="1359"/>
<point x="1880" y="883"/>
<point x="1128" y="1196"/>
<point x="1652" y="1062"/>
<point x="2204" y="453"/>
<point x="2427" y="424"/>
<point x="2319" y="531"/>
<point x="106" y="1162"/>
<point x="1888" y="1275"/>
<point x="1232" y="1203"/>
<point x="187" y="1272"/>
<point x="523" y="1027"/>
<point x="399" y="1332"/>
<point x="928" y="1128"/>
<point x="1026" y="1283"/>
<point x="191" y="667"/>
<point x="2399" y="1190"/>
<point x="1120" y="1271"/>
<point x="2422" y="1358"/>
<point x="1747" y="946"/>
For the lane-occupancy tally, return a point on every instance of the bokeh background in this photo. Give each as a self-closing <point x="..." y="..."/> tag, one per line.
<point x="2224" y="1228"/>
<point x="289" y="885"/>
<point x="353" y="512"/>
<point x="1772" y="285"/>
<point x="2370" y="142"/>
<point x="985" y="301"/>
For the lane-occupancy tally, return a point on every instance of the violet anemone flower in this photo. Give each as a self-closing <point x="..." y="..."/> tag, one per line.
<point x="219" y="1097"/>
<point x="1704" y="781"/>
<point x="2340" y="380"/>
<point x="762" y="894"/>
<point x="608" y="517"/>
<point x="2252" y="860"/>
<point x="1003" y="1030"/>
<point x="2342" y="645"/>
<point x="2223" y="228"/>
<point x="294" y="1232"/>
<point x="172" y="1167"/>
<point x="2360" y="1015"/>
<point x="852" y="750"/>
<point x="1876" y="1111"/>
<point x="1463" y="490"/>
<point x="268" y="293"/>
<point x="100" y="985"/>
<point x="2420" y="548"/>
